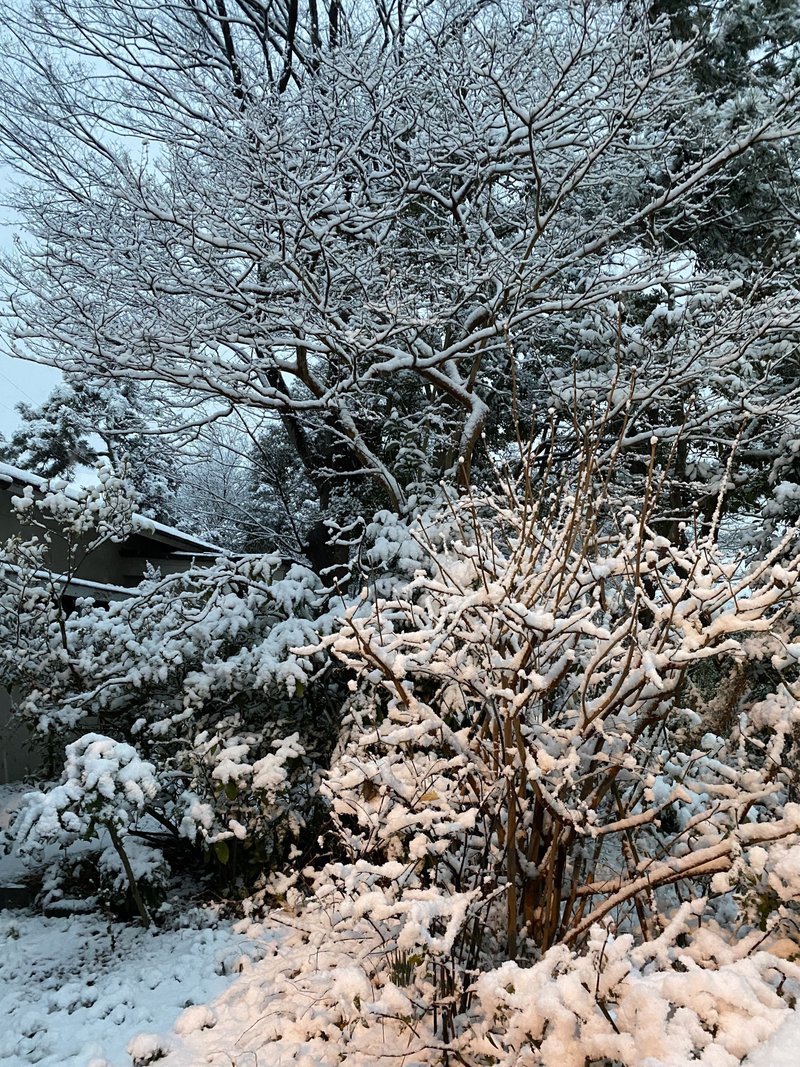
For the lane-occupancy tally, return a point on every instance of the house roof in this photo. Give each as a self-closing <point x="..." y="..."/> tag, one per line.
<point x="174" y="539"/>
<point x="74" y="586"/>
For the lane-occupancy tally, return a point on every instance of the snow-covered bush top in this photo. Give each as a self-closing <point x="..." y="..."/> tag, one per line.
<point x="104" y="783"/>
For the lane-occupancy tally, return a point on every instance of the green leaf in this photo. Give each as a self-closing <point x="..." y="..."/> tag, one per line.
<point x="231" y="790"/>
<point x="222" y="851"/>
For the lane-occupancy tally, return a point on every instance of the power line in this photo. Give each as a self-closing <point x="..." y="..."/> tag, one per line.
<point x="19" y="389"/>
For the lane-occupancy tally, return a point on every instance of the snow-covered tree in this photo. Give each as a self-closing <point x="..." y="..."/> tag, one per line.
<point x="81" y="424"/>
<point x="394" y="233"/>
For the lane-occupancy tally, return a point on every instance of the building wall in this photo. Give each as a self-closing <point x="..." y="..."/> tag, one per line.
<point x="18" y="759"/>
<point x="107" y="563"/>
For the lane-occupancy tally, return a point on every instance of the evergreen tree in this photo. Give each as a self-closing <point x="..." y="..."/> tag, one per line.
<point x="79" y="424"/>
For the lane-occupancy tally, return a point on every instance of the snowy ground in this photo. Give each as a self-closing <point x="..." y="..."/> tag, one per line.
<point x="76" y="990"/>
<point x="81" y="991"/>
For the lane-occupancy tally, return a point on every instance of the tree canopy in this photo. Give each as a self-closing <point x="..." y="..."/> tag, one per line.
<point x="410" y="231"/>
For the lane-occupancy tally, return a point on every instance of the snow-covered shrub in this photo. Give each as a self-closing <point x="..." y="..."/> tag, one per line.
<point x="145" y="1049"/>
<point x="104" y="783"/>
<point x="566" y="758"/>
<point x="104" y="787"/>
<point x="659" y="1002"/>
<point x="69" y="884"/>
<point x="522" y="729"/>
<point x="85" y="878"/>
<point x="149" y="868"/>
<point x="253" y="810"/>
<point x="197" y="670"/>
<point x="337" y="999"/>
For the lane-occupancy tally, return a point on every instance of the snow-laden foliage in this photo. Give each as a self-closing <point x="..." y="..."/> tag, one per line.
<point x="563" y="802"/>
<point x="91" y="422"/>
<point x="194" y="673"/>
<point x="95" y="876"/>
<point x="104" y="783"/>
<point x="570" y="744"/>
<point x="652" y="1003"/>
<point x="329" y="998"/>
<point x="526" y="722"/>
<point x="105" y="786"/>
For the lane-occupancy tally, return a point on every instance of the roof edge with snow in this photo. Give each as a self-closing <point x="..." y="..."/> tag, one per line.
<point x="14" y="477"/>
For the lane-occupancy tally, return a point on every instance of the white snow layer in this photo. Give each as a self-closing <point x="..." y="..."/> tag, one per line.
<point x="83" y="992"/>
<point x="782" y="1049"/>
<point x="80" y="991"/>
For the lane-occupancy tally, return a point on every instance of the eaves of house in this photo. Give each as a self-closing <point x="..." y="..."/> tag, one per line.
<point x="113" y="568"/>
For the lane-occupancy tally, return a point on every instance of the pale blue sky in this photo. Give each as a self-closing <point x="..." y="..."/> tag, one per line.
<point x="19" y="380"/>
